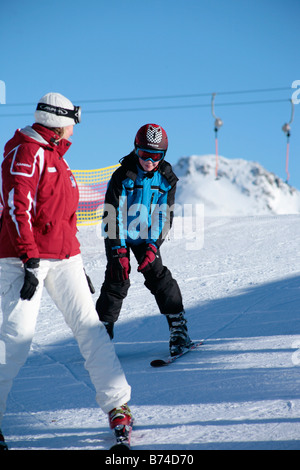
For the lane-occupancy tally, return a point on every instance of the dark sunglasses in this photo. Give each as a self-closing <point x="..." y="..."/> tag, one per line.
<point x="153" y="155"/>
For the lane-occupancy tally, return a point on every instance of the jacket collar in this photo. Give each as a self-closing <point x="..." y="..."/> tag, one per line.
<point x="33" y="134"/>
<point x="46" y="138"/>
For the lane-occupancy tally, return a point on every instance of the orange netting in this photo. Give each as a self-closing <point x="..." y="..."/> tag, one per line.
<point x="92" y="187"/>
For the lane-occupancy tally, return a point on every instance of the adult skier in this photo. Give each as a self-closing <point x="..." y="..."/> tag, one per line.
<point x="38" y="247"/>
<point x="138" y="214"/>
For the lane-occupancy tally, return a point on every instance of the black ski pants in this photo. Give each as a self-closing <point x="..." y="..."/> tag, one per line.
<point x="158" y="280"/>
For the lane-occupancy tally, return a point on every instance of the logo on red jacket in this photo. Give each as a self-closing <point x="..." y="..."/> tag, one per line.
<point x="20" y="167"/>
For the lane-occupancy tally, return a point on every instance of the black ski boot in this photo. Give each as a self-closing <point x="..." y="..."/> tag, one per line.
<point x="109" y="328"/>
<point x="179" y="338"/>
<point x="3" y="445"/>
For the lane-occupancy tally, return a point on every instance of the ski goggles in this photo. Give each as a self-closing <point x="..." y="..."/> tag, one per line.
<point x="70" y="113"/>
<point x="153" y="155"/>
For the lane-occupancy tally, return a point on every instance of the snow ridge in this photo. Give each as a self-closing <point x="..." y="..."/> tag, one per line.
<point x="242" y="188"/>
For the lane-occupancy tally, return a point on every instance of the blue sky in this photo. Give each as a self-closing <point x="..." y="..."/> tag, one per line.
<point x="129" y="62"/>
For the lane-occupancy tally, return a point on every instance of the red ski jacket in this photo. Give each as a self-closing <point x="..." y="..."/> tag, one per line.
<point x="39" y="196"/>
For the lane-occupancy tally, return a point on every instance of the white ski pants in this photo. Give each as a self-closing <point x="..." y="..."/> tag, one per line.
<point x="66" y="284"/>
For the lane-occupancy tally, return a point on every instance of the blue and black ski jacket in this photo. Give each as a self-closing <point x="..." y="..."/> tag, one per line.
<point x="139" y="205"/>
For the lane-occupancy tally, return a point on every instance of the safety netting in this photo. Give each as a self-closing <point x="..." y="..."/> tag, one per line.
<point x="92" y="186"/>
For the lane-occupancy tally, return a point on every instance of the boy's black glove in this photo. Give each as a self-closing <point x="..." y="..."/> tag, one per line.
<point x="30" y="280"/>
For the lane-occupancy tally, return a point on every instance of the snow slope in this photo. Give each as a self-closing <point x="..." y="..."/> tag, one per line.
<point x="240" y="391"/>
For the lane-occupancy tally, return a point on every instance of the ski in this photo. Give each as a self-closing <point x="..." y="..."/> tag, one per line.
<point x="122" y="435"/>
<point x="171" y="359"/>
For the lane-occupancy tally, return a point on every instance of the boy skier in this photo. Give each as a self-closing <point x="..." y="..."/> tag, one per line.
<point x="138" y="214"/>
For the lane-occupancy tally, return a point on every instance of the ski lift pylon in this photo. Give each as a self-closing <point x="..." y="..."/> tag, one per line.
<point x="218" y="123"/>
<point x="287" y="130"/>
<point x="287" y="126"/>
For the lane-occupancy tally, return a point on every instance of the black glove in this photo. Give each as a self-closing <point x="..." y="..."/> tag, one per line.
<point x="30" y="281"/>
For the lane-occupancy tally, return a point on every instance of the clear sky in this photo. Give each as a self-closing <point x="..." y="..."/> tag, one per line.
<point x="129" y="62"/>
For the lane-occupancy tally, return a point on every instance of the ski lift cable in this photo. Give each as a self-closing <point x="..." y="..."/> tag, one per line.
<point x="156" y="108"/>
<point x="160" y="97"/>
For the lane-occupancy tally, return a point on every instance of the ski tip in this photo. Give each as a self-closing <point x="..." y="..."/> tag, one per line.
<point x="158" y="363"/>
<point x="121" y="448"/>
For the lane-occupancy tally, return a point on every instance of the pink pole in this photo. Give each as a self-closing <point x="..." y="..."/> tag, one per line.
<point x="287" y="161"/>
<point x="217" y="156"/>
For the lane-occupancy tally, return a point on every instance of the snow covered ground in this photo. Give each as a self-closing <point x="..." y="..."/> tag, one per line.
<point x="241" y="293"/>
<point x="240" y="391"/>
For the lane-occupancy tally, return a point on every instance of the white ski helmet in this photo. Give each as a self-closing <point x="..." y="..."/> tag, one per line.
<point x="55" y="110"/>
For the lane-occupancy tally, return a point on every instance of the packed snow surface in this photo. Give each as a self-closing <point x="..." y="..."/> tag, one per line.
<point x="240" y="281"/>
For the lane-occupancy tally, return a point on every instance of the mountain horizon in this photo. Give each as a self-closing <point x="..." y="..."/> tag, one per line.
<point x="241" y="188"/>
